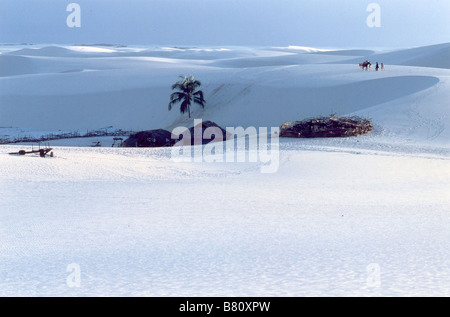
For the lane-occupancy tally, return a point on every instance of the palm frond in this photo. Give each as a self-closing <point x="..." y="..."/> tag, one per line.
<point x="199" y="94"/>
<point x="175" y="98"/>
<point x="200" y="102"/>
<point x="178" y="86"/>
<point x="178" y="95"/>
<point x="199" y="98"/>
<point x="184" y="106"/>
<point x="197" y="83"/>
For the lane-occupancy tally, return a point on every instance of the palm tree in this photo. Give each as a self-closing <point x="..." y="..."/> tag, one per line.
<point x="186" y="94"/>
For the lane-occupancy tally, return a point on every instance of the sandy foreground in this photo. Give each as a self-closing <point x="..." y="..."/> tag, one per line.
<point x="364" y="216"/>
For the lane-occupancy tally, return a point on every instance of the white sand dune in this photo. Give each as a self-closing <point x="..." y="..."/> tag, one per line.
<point x="91" y="49"/>
<point x="354" y="52"/>
<point x="58" y="51"/>
<point x="137" y="223"/>
<point x="304" y="49"/>
<point x="60" y="88"/>
<point x="435" y="56"/>
<point x="193" y="53"/>
<point x="16" y="65"/>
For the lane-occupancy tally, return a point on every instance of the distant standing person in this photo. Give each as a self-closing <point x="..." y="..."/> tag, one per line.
<point x="377" y="67"/>
<point x="382" y="66"/>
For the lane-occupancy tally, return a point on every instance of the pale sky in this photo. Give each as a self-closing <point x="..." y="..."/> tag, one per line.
<point x="317" y="23"/>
